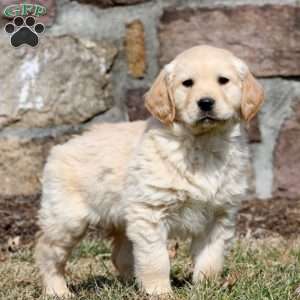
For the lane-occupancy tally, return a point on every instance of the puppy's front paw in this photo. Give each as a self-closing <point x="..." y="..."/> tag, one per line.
<point x="61" y="293"/>
<point x="158" y="289"/>
<point x="202" y="275"/>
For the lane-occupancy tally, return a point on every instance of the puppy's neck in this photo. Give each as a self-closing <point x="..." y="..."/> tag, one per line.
<point x="226" y="133"/>
<point x="219" y="140"/>
<point x="187" y="153"/>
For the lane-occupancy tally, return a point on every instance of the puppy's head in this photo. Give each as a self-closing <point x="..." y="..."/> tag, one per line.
<point x="204" y="88"/>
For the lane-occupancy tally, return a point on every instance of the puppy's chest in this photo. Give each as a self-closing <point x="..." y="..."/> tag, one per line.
<point x="207" y="180"/>
<point x="213" y="183"/>
<point x="189" y="218"/>
<point x="196" y="204"/>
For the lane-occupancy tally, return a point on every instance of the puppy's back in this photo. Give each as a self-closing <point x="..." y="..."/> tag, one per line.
<point x="91" y="168"/>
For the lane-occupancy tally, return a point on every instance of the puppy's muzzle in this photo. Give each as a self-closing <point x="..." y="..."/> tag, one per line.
<point x="206" y="104"/>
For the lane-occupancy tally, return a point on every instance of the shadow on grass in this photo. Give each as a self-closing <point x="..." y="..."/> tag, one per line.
<point x="181" y="282"/>
<point x="94" y="283"/>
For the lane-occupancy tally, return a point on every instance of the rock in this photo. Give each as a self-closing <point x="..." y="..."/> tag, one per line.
<point x="63" y="81"/>
<point x="22" y="158"/>
<point x="110" y="3"/>
<point x="135" y="104"/>
<point x="280" y="95"/>
<point x="3" y="5"/>
<point x="47" y="19"/>
<point x="287" y="158"/>
<point x="114" y="115"/>
<point x="135" y="49"/>
<point x="251" y="178"/>
<point x="267" y="37"/>
<point x="253" y="131"/>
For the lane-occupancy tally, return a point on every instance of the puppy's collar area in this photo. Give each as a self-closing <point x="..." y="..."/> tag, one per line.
<point x="181" y="130"/>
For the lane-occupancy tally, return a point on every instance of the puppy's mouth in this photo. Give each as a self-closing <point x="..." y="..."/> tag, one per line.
<point x="208" y="119"/>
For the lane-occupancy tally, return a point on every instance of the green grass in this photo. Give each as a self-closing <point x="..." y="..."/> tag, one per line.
<point x="254" y="270"/>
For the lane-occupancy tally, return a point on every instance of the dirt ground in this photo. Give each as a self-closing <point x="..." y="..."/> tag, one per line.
<point x="257" y="218"/>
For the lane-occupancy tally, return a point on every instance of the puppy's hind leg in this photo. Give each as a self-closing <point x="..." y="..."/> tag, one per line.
<point x="122" y="256"/>
<point x="62" y="228"/>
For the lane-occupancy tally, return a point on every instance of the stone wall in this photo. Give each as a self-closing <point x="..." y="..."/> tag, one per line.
<point x="98" y="57"/>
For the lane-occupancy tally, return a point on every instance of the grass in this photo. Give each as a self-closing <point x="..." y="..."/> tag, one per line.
<point x="255" y="270"/>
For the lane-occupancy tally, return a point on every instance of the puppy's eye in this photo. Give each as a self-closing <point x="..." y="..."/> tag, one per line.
<point x="223" y="80"/>
<point x="188" y="83"/>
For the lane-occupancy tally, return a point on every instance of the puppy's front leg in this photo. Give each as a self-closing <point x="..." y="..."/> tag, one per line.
<point x="151" y="258"/>
<point x="208" y="252"/>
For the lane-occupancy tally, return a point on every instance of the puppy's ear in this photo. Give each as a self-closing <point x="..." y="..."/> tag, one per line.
<point x="252" y="96"/>
<point x="158" y="100"/>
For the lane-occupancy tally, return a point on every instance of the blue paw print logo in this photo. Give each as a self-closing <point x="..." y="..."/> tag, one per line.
<point x="24" y="31"/>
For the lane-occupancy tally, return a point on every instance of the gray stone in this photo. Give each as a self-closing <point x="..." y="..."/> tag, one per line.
<point x="287" y="157"/>
<point x="267" y="37"/>
<point x="114" y="115"/>
<point x="111" y="24"/>
<point x="280" y="97"/>
<point x="110" y="3"/>
<point x="63" y="81"/>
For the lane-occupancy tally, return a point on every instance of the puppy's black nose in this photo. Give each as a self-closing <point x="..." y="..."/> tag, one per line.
<point x="206" y="104"/>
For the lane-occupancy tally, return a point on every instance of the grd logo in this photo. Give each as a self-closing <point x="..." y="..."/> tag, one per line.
<point x="24" y="30"/>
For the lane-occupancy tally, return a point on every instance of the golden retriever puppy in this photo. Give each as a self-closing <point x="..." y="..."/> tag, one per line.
<point x="179" y="174"/>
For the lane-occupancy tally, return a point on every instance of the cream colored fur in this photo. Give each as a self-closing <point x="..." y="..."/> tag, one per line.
<point x="145" y="182"/>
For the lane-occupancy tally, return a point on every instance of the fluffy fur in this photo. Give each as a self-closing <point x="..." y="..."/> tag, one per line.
<point x="179" y="174"/>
